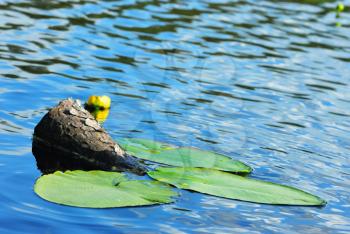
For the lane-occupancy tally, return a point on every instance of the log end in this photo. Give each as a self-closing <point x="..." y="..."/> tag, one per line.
<point x="69" y="138"/>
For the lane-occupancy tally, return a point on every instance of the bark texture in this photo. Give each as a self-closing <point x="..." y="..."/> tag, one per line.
<point x="69" y="138"/>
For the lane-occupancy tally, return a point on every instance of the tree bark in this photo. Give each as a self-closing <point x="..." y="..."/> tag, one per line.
<point x="69" y="138"/>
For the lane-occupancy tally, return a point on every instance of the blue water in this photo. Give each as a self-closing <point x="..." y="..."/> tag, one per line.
<point x="265" y="82"/>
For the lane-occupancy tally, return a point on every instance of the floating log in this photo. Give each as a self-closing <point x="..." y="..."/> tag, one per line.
<point x="69" y="138"/>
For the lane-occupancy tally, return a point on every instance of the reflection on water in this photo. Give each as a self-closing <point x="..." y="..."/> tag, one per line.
<point x="263" y="81"/>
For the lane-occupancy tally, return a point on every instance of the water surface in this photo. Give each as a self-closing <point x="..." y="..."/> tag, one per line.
<point x="265" y="82"/>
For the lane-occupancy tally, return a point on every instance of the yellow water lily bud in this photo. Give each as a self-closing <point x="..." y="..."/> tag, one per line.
<point x="99" y="102"/>
<point x="92" y="100"/>
<point x="105" y="102"/>
<point x="340" y="7"/>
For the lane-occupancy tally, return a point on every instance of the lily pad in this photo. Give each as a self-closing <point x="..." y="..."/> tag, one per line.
<point x="181" y="156"/>
<point x="232" y="186"/>
<point x="101" y="189"/>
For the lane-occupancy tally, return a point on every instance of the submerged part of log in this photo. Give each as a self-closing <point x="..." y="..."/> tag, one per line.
<point x="69" y="138"/>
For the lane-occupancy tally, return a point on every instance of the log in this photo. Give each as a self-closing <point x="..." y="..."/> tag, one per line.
<point x="69" y="138"/>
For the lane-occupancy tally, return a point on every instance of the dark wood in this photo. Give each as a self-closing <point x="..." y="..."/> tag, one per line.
<point x="69" y="138"/>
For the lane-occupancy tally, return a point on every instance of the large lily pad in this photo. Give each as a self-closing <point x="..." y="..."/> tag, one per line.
<point x="181" y="156"/>
<point x="232" y="186"/>
<point x="101" y="189"/>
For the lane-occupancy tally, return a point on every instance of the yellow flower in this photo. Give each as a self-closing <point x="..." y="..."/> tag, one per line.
<point x="340" y="7"/>
<point x="99" y="102"/>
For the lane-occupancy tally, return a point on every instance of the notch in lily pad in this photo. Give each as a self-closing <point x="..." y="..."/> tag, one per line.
<point x="181" y="156"/>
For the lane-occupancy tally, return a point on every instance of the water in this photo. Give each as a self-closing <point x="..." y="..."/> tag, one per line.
<point x="266" y="82"/>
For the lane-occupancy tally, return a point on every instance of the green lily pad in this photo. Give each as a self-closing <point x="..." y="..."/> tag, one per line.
<point x="232" y="186"/>
<point x="101" y="189"/>
<point x="181" y="156"/>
